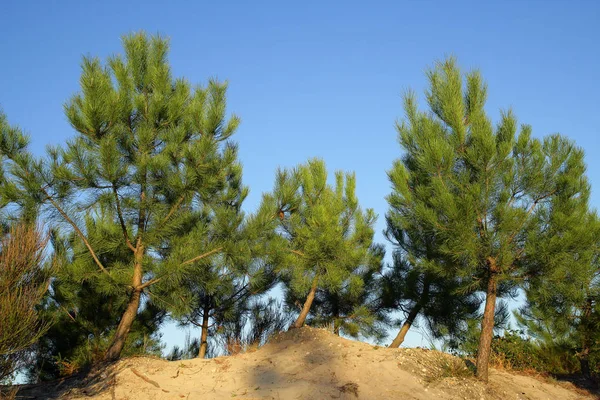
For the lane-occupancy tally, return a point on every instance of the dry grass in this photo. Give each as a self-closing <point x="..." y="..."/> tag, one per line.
<point x="23" y="283"/>
<point x="9" y="394"/>
<point x="445" y="366"/>
<point x="349" y="387"/>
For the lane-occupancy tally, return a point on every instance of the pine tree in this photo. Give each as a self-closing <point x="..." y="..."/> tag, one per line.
<point x="215" y="290"/>
<point x="328" y="236"/>
<point x="489" y="191"/>
<point x="148" y="148"/>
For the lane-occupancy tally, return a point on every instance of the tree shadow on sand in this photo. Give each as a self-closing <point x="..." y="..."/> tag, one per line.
<point x="589" y="385"/>
<point x="86" y="383"/>
<point x="303" y="366"/>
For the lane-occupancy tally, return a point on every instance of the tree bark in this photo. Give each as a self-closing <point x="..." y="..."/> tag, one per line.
<point x="412" y="315"/>
<point x="414" y="312"/>
<point x="204" y="336"/>
<point x="336" y="314"/>
<point x="584" y="363"/>
<point x="584" y="354"/>
<point x="114" y="351"/>
<point x="116" y="347"/>
<point x="487" y="325"/>
<point x="299" y="323"/>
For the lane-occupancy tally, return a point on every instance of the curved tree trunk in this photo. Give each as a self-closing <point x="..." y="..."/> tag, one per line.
<point x="487" y="326"/>
<point x="116" y="347"/>
<point x="406" y="326"/>
<point x="114" y="351"/>
<point x="414" y="312"/>
<point x="299" y="323"/>
<point x="204" y="336"/>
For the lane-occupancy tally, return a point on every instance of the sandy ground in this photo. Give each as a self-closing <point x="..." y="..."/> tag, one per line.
<point x="306" y="364"/>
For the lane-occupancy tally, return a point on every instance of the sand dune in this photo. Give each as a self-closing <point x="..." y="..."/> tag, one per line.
<point x="304" y="364"/>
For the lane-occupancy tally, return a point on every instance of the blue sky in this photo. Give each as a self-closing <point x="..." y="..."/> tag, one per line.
<point x="318" y="78"/>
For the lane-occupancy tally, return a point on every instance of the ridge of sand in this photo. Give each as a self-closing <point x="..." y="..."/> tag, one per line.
<point x="305" y="363"/>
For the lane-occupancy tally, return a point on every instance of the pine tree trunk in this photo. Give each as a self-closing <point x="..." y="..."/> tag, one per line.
<point x="204" y="337"/>
<point x="412" y="315"/>
<point x="487" y="325"/>
<point x="299" y="323"/>
<point x="584" y="363"/>
<point x="114" y="351"/>
<point x="414" y="312"/>
<point x="336" y="315"/>
<point x="116" y="347"/>
<point x="584" y="355"/>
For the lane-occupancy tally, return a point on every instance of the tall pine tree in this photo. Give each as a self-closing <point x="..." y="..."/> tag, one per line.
<point x="147" y="149"/>
<point x="489" y="191"/>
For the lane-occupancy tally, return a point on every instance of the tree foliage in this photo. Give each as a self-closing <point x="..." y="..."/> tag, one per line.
<point x="351" y="311"/>
<point x="562" y="310"/>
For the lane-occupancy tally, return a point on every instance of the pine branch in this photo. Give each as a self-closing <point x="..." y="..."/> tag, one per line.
<point x="121" y="220"/>
<point x="529" y="212"/>
<point x="79" y="233"/>
<point x="173" y="209"/>
<point x="301" y="254"/>
<point x="190" y="261"/>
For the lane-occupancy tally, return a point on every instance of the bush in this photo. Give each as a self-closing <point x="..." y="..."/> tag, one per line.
<point x="513" y="351"/>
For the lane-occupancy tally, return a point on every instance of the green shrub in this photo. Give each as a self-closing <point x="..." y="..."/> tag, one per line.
<point x="513" y="351"/>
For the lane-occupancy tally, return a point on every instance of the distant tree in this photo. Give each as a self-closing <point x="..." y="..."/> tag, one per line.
<point x="215" y="289"/>
<point x="148" y="150"/>
<point x="256" y="322"/>
<point x="328" y="236"/>
<point x="489" y="192"/>
<point x="23" y="282"/>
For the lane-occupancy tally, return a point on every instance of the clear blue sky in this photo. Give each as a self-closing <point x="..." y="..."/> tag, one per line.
<point x="318" y="78"/>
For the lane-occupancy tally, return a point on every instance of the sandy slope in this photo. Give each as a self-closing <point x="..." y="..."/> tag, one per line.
<point x="306" y="364"/>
